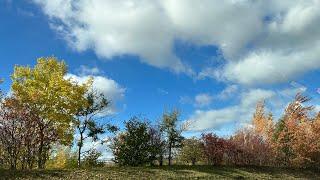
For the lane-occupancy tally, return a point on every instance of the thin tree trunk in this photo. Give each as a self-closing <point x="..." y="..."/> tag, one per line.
<point x="169" y="158"/>
<point x="40" y="150"/>
<point x="79" y="152"/>
<point x="80" y="143"/>
<point x="161" y="160"/>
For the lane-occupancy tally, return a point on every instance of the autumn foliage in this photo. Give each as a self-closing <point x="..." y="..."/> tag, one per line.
<point x="45" y="108"/>
<point x="294" y="141"/>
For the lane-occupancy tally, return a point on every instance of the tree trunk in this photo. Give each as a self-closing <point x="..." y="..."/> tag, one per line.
<point x="170" y="154"/>
<point x="80" y="144"/>
<point x="161" y="160"/>
<point x="40" y="151"/>
<point x="40" y="158"/>
<point x="193" y="162"/>
<point x="79" y="156"/>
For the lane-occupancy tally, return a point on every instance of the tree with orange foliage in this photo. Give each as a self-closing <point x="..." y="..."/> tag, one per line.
<point x="295" y="139"/>
<point x="315" y="146"/>
<point x="262" y="123"/>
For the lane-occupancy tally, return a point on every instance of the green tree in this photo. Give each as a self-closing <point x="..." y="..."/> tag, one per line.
<point x="171" y="131"/>
<point x="132" y="147"/>
<point x="191" y="151"/>
<point x="52" y="97"/>
<point x="86" y="124"/>
<point x="91" y="158"/>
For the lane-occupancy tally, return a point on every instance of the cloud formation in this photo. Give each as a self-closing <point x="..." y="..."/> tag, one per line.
<point x="85" y="70"/>
<point x="200" y="100"/>
<point x="203" y="99"/>
<point x="108" y="87"/>
<point x="268" y="41"/>
<point x="241" y="113"/>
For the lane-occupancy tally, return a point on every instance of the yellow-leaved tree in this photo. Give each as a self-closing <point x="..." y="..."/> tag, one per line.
<point x="53" y="98"/>
<point x="262" y="123"/>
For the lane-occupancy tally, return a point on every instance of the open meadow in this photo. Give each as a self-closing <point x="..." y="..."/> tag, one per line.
<point x="174" y="172"/>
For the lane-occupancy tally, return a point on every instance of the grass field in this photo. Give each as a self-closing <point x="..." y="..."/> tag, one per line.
<point x="175" y="172"/>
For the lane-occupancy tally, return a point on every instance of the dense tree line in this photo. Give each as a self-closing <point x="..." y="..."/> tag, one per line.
<point x="44" y="113"/>
<point x="293" y="141"/>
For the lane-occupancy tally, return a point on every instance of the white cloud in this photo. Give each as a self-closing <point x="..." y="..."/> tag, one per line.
<point x="203" y="99"/>
<point x="85" y="70"/>
<point x="228" y="92"/>
<point x="115" y="28"/>
<point x="209" y="72"/>
<point x="291" y="92"/>
<point x="249" y="99"/>
<point x="241" y="113"/>
<point x="185" y="100"/>
<point x="108" y="87"/>
<point x="213" y="119"/>
<point x="99" y="146"/>
<point x="272" y="67"/>
<point x="266" y="41"/>
<point x="317" y="109"/>
<point x="200" y="100"/>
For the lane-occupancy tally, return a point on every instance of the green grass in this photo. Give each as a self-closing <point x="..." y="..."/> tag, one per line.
<point x="175" y="172"/>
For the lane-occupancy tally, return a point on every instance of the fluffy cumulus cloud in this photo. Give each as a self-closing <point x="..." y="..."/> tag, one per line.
<point x="114" y="28"/>
<point x="108" y="87"/>
<point x="262" y="41"/>
<point x="216" y="118"/>
<point x="273" y="66"/>
<point x="241" y="113"/>
<point x="287" y="47"/>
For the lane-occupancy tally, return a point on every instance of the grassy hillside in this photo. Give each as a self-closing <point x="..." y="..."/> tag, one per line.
<point x="176" y="172"/>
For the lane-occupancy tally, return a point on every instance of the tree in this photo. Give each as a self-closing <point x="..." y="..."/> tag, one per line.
<point x="251" y="148"/>
<point x="262" y="123"/>
<point x="62" y="157"/>
<point x="172" y="133"/>
<point x="85" y="119"/>
<point x="133" y="146"/>
<point x="17" y="133"/>
<point x="214" y="148"/>
<point x="52" y="97"/>
<point x="11" y="133"/>
<point x="191" y="151"/>
<point x="293" y="138"/>
<point x="91" y="158"/>
<point x="315" y="139"/>
<point x="59" y="157"/>
<point x="157" y="145"/>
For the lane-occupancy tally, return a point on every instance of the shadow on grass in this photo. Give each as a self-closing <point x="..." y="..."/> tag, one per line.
<point x="11" y="174"/>
<point x="244" y="172"/>
<point x="166" y="172"/>
<point x="214" y="171"/>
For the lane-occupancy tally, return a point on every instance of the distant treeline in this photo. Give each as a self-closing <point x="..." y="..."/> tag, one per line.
<point x="46" y="114"/>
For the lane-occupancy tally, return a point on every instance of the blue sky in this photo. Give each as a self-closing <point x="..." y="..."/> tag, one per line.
<point x="212" y="60"/>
